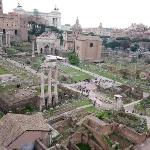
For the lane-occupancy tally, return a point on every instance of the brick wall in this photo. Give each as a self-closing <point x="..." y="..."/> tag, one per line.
<point x="131" y="135"/>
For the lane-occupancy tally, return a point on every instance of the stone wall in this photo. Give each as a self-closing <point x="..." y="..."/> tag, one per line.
<point x="98" y="129"/>
<point x="79" y="137"/>
<point x="130" y="134"/>
<point x="18" y="106"/>
<point x="102" y="129"/>
<point x="67" y="94"/>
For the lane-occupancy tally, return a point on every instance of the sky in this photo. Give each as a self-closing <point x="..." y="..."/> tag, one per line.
<point x="111" y="13"/>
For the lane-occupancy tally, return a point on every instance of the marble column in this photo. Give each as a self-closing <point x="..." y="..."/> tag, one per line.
<point x="55" y="85"/>
<point x="42" y="101"/>
<point x="8" y="40"/>
<point x="50" y="86"/>
<point x="1" y="39"/>
<point x="38" y="48"/>
<point x="33" y="48"/>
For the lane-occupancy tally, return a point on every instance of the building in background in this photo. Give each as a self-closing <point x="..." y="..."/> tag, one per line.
<point x="52" y="18"/>
<point x="88" y="48"/>
<point x="47" y="43"/>
<point x="13" y="27"/>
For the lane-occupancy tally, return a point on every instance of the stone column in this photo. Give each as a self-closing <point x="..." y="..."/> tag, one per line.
<point x="1" y="39"/>
<point x="38" y="48"/>
<point x="119" y="102"/>
<point x="50" y="86"/>
<point x="42" y="101"/>
<point x="55" y="86"/>
<point x="8" y="40"/>
<point x="33" y="48"/>
<point x="50" y="51"/>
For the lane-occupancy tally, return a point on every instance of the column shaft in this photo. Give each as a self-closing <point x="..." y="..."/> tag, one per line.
<point x="50" y="86"/>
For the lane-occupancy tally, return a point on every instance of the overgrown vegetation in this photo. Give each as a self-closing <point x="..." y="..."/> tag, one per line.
<point x="143" y="107"/>
<point x="83" y="146"/>
<point x="73" y="58"/>
<point x="136" y="123"/>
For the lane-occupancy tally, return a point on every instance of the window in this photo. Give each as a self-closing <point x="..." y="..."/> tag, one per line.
<point x="4" y="31"/>
<point x="16" y="32"/>
<point x="91" y="44"/>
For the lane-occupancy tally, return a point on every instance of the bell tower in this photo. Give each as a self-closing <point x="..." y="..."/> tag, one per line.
<point x="1" y="7"/>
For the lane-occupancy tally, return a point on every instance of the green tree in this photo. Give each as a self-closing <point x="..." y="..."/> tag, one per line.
<point x="73" y="58"/>
<point x="113" y="44"/>
<point x="134" y="47"/>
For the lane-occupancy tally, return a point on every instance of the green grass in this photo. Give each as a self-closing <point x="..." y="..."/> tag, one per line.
<point x="116" y="76"/>
<point x="3" y="71"/>
<point x="7" y="88"/>
<point x="83" y="146"/>
<point x="75" y="74"/>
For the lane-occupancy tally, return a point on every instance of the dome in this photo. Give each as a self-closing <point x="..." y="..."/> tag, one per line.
<point x="77" y="27"/>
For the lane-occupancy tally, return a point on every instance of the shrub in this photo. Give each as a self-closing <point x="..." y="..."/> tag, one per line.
<point x="73" y="58"/>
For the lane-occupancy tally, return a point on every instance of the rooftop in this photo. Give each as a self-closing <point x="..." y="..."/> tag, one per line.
<point x="14" y="125"/>
<point x="89" y="37"/>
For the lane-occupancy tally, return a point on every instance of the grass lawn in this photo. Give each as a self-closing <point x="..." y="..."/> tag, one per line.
<point x="76" y="75"/>
<point x="7" y="88"/>
<point x="3" y="71"/>
<point x="114" y="76"/>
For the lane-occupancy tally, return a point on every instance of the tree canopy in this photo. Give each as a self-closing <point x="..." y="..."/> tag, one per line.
<point x="73" y="58"/>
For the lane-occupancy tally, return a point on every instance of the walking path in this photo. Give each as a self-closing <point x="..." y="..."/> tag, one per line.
<point x="88" y="72"/>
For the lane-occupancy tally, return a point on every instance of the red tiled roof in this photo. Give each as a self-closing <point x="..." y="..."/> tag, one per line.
<point x="14" y="125"/>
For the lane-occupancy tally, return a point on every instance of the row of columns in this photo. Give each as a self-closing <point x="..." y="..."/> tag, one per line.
<point x="52" y="82"/>
<point x="51" y="48"/>
<point x="7" y="38"/>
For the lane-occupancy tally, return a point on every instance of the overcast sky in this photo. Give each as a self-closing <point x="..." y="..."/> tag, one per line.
<point x="112" y="13"/>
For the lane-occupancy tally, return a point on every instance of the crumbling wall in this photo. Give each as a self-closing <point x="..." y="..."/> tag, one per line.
<point x="18" y="106"/>
<point x="79" y="137"/>
<point x="67" y="94"/>
<point x="104" y="130"/>
<point x="130" y="134"/>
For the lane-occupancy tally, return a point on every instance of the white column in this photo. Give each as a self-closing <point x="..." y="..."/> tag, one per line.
<point x="33" y="48"/>
<point x="50" y="86"/>
<point x="38" y="48"/>
<point x="6" y="39"/>
<point x="55" y="86"/>
<point x="1" y="39"/>
<point x="42" y="101"/>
